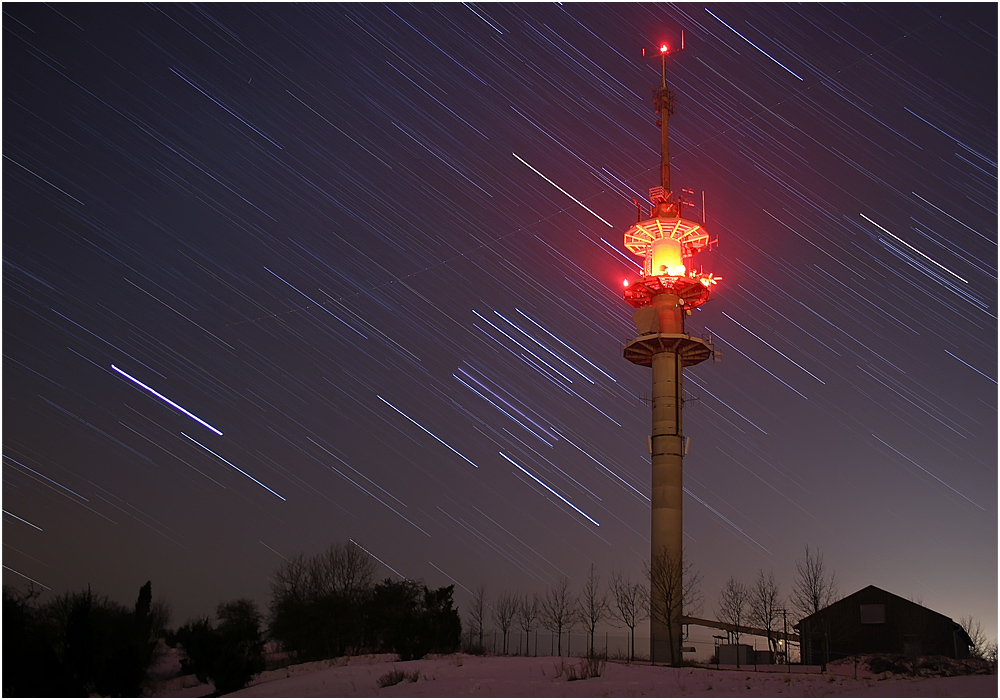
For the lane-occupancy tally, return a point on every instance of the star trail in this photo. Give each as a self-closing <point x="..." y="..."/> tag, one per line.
<point x="375" y="252"/>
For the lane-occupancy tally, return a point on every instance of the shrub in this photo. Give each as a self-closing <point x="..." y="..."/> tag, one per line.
<point x="77" y="644"/>
<point x="890" y="663"/>
<point x="230" y="656"/>
<point x="200" y="643"/>
<point x="590" y="667"/>
<point x="241" y="656"/>
<point x="412" y="620"/>
<point x="326" y="606"/>
<point x="396" y="676"/>
<point x="593" y="666"/>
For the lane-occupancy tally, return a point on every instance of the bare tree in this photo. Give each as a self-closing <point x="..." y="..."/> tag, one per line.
<point x="352" y="570"/>
<point x="559" y="610"/>
<point x="815" y="587"/>
<point x="477" y="613"/>
<point x="630" y="605"/>
<point x="504" y="610"/>
<point x="765" y="603"/>
<point x="527" y="613"/>
<point x="673" y="588"/>
<point x="593" y="606"/>
<point x="343" y="570"/>
<point x="290" y="581"/>
<point x="977" y="636"/>
<point x="308" y="591"/>
<point x="733" y="602"/>
<point x="990" y="654"/>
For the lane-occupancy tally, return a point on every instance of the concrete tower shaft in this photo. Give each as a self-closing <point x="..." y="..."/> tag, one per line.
<point x="664" y="346"/>
<point x="666" y="503"/>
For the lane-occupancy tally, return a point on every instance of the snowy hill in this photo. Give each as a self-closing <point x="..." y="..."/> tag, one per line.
<point x="460" y="675"/>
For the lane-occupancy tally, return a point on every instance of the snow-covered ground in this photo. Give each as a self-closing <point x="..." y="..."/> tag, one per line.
<point x="460" y="675"/>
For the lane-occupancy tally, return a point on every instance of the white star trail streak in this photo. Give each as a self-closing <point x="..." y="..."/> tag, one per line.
<point x="937" y="479"/>
<point x="535" y="170"/>
<point x="428" y="432"/>
<point x="37" y="583"/>
<point x="216" y="454"/>
<point x="378" y="560"/>
<point x="380" y="244"/>
<point x="754" y="45"/>
<point x="920" y="253"/>
<point x="550" y="489"/>
<point x="23" y="521"/>
<point x="167" y="401"/>
<point x="773" y="348"/>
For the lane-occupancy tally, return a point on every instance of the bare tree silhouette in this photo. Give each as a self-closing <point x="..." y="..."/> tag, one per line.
<point x="765" y="602"/>
<point x="814" y="587"/>
<point x="477" y="613"/>
<point x="673" y="589"/>
<point x="559" y="610"/>
<point x="504" y="610"/>
<point x="528" y="610"/>
<point x="594" y="606"/>
<point x="977" y="635"/>
<point x="733" y="607"/>
<point x="630" y="605"/>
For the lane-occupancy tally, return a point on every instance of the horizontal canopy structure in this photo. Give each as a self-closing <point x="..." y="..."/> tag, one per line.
<point x="640" y="237"/>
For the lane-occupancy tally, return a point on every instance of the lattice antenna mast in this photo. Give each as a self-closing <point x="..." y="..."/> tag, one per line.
<point x="664" y="98"/>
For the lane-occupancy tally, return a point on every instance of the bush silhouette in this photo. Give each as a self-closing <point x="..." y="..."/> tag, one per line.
<point x="77" y="644"/>
<point x="231" y="655"/>
<point x="326" y="606"/>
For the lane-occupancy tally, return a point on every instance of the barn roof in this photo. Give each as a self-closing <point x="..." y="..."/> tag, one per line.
<point x="866" y="593"/>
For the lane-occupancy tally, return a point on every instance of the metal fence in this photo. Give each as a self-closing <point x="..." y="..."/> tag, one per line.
<point x="545" y="643"/>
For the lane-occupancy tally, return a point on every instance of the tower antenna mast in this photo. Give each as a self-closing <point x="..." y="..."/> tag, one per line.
<point x="664" y="99"/>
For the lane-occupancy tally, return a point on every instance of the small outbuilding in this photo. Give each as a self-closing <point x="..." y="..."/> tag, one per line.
<point x="874" y="621"/>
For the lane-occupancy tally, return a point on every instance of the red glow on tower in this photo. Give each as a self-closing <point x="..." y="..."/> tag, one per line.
<point x="666" y="240"/>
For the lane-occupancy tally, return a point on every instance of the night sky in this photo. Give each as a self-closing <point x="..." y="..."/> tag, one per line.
<point x="282" y="276"/>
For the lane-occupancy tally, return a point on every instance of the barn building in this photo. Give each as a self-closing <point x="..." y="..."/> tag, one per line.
<point x="874" y="621"/>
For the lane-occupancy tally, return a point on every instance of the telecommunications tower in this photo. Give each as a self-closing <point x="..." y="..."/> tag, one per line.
<point x="668" y="290"/>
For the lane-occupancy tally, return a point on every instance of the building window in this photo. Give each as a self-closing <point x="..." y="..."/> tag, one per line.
<point x="873" y="614"/>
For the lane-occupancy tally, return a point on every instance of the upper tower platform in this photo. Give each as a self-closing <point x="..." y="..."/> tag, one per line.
<point x="666" y="241"/>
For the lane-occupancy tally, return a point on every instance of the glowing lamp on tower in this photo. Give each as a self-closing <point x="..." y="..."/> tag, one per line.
<point x="666" y="257"/>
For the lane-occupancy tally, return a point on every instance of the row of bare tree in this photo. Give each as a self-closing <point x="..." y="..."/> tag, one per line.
<point x="760" y="605"/>
<point x="628" y="603"/>
<point x="558" y="610"/>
